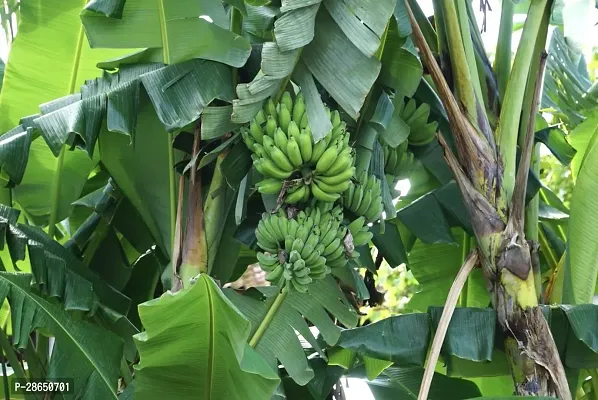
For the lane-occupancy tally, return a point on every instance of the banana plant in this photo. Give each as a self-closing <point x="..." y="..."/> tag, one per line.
<point x="183" y="141"/>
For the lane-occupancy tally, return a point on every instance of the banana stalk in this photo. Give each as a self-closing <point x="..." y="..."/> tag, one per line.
<point x="497" y="218"/>
<point x="194" y="256"/>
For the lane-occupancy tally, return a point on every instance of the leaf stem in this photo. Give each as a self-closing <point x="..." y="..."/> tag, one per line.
<point x="378" y="55"/>
<point x="445" y="319"/>
<point x="462" y="71"/>
<point x="508" y="125"/>
<point x="469" y="52"/>
<point x="56" y="193"/>
<point x="172" y="191"/>
<point x="261" y="329"/>
<point x="11" y="355"/>
<point x="236" y="26"/>
<point x="502" y="60"/>
<point x="125" y="371"/>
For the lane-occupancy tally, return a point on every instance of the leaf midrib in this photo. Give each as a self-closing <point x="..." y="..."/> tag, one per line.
<point x="87" y="356"/>
<point x="164" y="32"/>
<point x="60" y="161"/>
<point x="211" y="341"/>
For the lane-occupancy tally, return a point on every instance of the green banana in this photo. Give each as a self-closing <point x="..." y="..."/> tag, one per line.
<point x="335" y="118"/>
<point x="294" y="153"/>
<point x="293" y="130"/>
<point x="298" y="286"/>
<point x="293" y="226"/>
<point x="288" y="242"/>
<point x="266" y="247"/>
<point x="270" y="126"/>
<point x="265" y="238"/>
<point x="362" y="238"/>
<point x="256" y="131"/>
<point x="307" y="251"/>
<point x="294" y="256"/>
<point x="373" y="213"/>
<point x="265" y="260"/>
<point x="331" y="247"/>
<point x="297" y="245"/>
<point x="336" y="179"/>
<point x="338" y="188"/>
<point x="340" y="250"/>
<point x="327" y="159"/>
<point x="247" y="139"/>
<point x="356" y="225"/>
<point x="365" y="203"/>
<point x="322" y="195"/>
<point x="260" y="117"/>
<point x="312" y="257"/>
<point x="281" y="160"/>
<point x="317" y="150"/>
<point x="302" y="233"/>
<point x="304" y="122"/>
<point x="298" y="265"/>
<point x="281" y="140"/>
<point x="275" y="274"/>
<point x="305" y="145"/>
<point x="269" y="186"/>
<point x="298" y="108"/>
<point x="303" y="280"/>
<point x="329" y="238"/>
<point x="271" y="109"/>
<point x="307" y="194"/>
<point x="295" y="195"/>
<point x="268" y="168"/>
<point x="357" y="197"/>
<point x="264" y="230"/>
<point x="287" y="100"/>
<point x="275" y="227"/>
<point x="284" y="117"/>
<point x="342" y="162"/>
<point x="302" y="272"/>
<point x="283" y="224"/>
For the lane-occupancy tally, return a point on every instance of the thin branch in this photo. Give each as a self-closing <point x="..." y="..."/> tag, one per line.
<point x="447" y="313"/>
<point x="178" y="238"/>
<point x="518" y="199"/>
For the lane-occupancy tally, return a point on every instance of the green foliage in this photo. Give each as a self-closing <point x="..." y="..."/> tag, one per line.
<point x="131" y="124"/>
<point x="208" y="335"/>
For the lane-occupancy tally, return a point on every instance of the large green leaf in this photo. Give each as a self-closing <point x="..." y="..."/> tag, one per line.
<point x="207" y="355"/>
<point x="566" y="82"/>
<point x="180" y="30"/>
<point x="49" y="59"/>
<point x="279" y="337"/>
<point x="582" y="232"/>
<point x="140" y="163"/>
<point x="582" y="138"/>
<point x="347" y="35"/>
<point x="87" y="354"/>
<point x="404" y="383"/>
<point x="142" y="172"/>
<point x="56" y="272"/>
<point x="435" y="267"/>
<point x="383" y="341"/>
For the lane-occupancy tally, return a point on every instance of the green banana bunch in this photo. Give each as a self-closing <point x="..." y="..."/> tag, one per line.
<point x="283" y="148"/>
<point x="302" y="249"/>
<point x="421" y="131"/>
<point x="365" y="197"/>
<point x="398" y="162"/>
<point x="360" y="232"/>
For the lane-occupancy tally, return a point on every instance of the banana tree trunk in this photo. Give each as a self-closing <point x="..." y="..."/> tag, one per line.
<point x="495" y="200"/>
